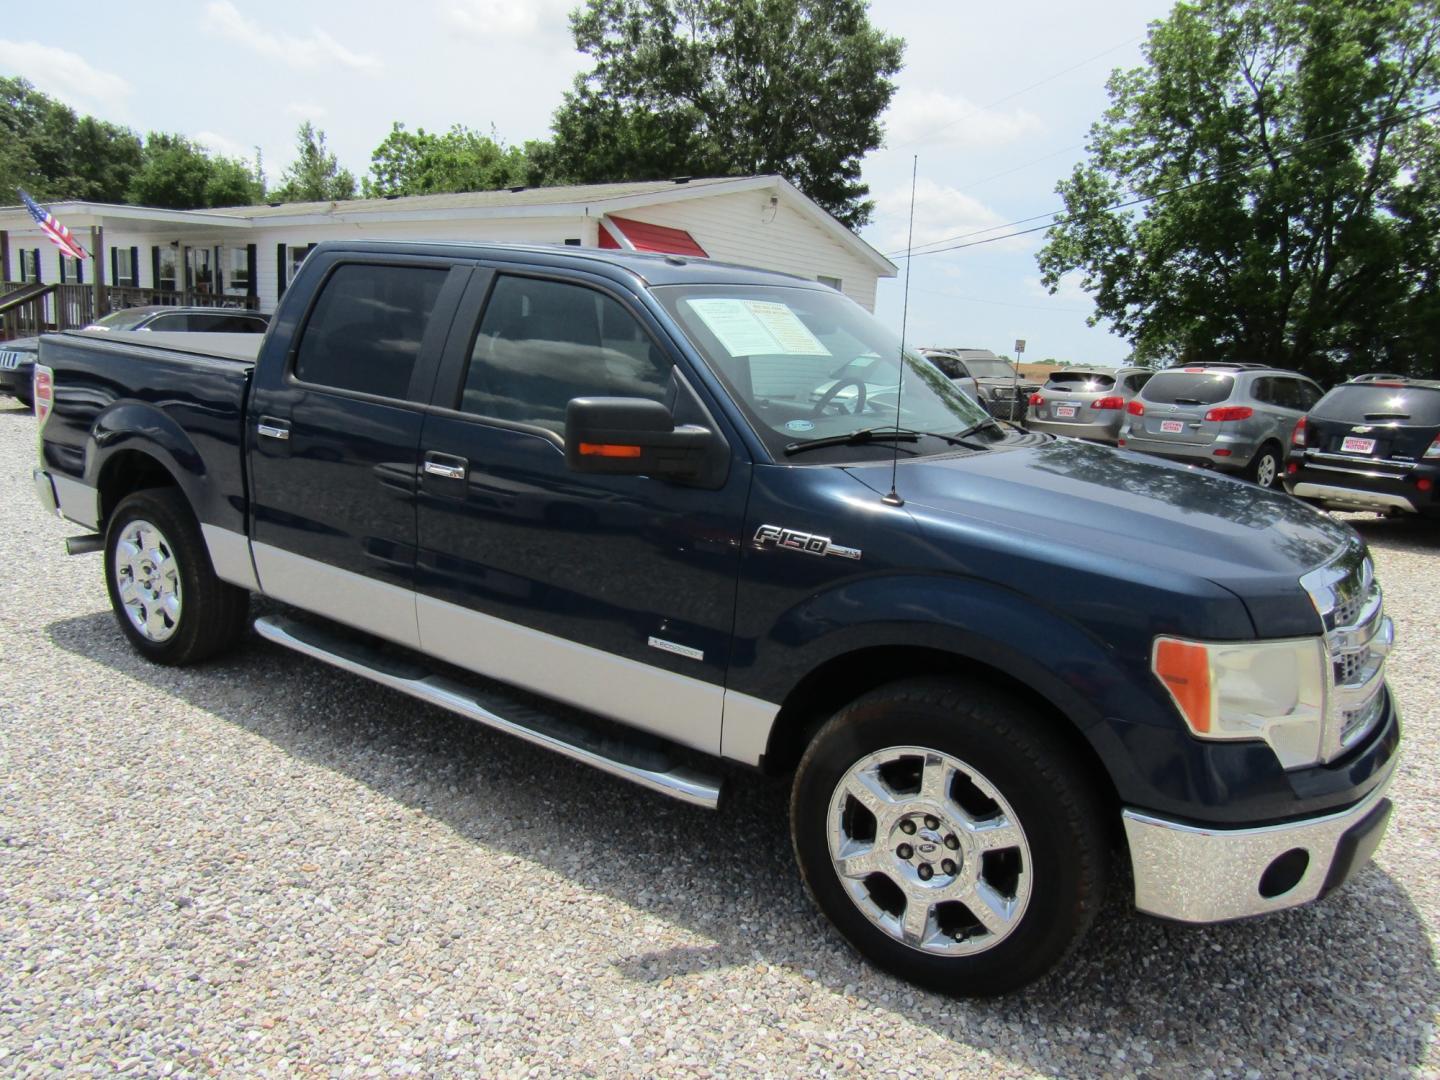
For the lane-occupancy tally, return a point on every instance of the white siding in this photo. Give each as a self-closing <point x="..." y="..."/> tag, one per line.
<point x="552" y="230"/>
<point x="746" y="229"/>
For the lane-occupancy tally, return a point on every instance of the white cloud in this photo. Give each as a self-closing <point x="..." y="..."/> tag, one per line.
<point x="941" y="213"/>
<point x="319" y="49"/>
<point x="509" y="18"/>
<point x="63" y="74"/>
<point x="306" y="110"/>
<point x="222" y="145"/>
<point x="934" y="118"/>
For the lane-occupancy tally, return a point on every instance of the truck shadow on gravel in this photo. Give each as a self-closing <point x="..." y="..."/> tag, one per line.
<point x="1407" y="533"/>
<point x="1349" y="986"/>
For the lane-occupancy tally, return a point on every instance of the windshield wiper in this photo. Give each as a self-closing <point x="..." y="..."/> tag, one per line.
<point x="1188" y="401"/>
<point x="856" y="438"/>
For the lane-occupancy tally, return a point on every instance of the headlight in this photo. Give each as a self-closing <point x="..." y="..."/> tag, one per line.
<point x="1270" y="690"/>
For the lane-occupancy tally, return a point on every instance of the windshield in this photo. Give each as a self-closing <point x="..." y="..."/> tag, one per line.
<point x="121" y="320"/>
<point x="808" y="364"/>
<point x="989" y="367"/>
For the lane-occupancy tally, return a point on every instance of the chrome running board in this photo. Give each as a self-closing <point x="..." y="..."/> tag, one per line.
<point x="638" y="760"/>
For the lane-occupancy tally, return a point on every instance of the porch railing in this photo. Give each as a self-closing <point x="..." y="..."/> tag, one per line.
<point x="68" y="307"/>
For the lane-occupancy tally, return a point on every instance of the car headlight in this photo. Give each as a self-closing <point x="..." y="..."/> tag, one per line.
<point x="1269" y="690"/>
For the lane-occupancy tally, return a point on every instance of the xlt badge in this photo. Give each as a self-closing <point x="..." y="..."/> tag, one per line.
<point x="795" y="540"/>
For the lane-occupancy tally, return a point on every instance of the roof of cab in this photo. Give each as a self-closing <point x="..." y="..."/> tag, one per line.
<point x="648" y="269"/>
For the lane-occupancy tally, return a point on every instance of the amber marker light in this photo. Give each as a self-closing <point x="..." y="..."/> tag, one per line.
<point x="1184" y="668"/>
<point x="588" y="449"/>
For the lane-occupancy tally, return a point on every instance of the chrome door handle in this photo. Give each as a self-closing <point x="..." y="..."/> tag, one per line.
<point x="449" y="472"/>
<point x="272" y="430"/>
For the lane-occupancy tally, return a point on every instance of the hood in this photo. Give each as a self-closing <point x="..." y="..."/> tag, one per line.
<point x="21" y="344"/>
<point x="1087" y="503"/>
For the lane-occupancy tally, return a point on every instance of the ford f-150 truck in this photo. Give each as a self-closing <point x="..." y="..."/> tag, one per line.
<point x="633" y="507"/>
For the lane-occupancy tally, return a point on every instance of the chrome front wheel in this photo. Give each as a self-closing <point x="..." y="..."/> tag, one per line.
<point x="930" y="851"/>
<point x="147" y="578"/>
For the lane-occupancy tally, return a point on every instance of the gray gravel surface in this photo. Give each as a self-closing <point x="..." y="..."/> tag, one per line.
<point x="263" y="866"/>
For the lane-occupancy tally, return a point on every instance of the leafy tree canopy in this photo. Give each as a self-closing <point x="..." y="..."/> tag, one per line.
<point x="729" y="87"/>
<point x="54" y="154"/>
<point x="423" y="163"/>
<point x="315" y="175"/>
<point x="1290" y="149"/>
<point x="179" y="175"/>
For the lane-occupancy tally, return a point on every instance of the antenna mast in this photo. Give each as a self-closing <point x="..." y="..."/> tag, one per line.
<point x="893" y="498"/>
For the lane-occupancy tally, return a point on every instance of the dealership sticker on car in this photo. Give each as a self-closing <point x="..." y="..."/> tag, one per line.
<point x="1065" y="410"/>
<point x="1172" y="427"/>
<point x="1352" y="445"/>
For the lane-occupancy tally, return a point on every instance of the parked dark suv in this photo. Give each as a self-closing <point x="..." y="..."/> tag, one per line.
<point x="1370" y="445"/>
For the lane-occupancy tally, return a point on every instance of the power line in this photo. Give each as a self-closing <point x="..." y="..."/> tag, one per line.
<point x="1059" y="218"/>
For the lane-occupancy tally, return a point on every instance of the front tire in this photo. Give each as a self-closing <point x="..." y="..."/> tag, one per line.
<point x="164" y="592"/>
<point x="947" y="834"/>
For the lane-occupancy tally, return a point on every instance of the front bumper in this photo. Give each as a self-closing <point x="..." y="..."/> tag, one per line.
<point x="1203" y="875"/>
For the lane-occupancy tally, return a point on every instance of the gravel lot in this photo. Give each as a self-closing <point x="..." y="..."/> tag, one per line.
<point x="265" y="866"/>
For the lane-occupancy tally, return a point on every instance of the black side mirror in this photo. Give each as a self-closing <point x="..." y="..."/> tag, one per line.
<point x="639" y="437"/>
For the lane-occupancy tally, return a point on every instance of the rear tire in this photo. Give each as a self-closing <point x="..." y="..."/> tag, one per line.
<point x="1266" y="467"/>
<point x="164" y="592"/>
<point x="947" y="833"/>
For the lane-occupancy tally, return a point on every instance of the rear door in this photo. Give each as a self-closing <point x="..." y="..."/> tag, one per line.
<point x="1375" y="422"/>
<point x="1176" y="403"/>
<point x="334" y="436"/>
<point x="613" y="593"/>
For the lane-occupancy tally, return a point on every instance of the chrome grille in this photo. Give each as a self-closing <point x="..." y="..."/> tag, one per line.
<point x="1358" y="635"/>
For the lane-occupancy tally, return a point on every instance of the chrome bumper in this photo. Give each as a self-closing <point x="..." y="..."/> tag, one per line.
<point x="45" y="490"/>
<point x="1352" y="498"/>
<point x="1200" y="875"/>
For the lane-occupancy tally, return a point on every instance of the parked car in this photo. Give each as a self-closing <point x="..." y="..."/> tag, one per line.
<point x="1233" y="417"/>
<point x="1370" y="445"/>
<point x="17" y="358"/>
<point x="1085" y="404"/>
<point x="955" y="370"/>
<point x="996" y="386"/>
<point x="591" y="498"/>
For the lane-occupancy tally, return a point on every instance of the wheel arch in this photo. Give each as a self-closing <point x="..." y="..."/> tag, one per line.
<point x="846" y="676"/>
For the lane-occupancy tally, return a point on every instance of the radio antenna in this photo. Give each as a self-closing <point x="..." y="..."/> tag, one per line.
<point x="894" y="499"/>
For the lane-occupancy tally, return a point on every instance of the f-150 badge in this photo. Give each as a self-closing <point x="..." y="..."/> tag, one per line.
<point x="795" y="540"/>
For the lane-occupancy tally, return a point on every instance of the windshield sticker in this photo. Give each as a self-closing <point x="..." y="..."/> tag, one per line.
<point x="800" y="425"/>
<point x="757" y="328"/>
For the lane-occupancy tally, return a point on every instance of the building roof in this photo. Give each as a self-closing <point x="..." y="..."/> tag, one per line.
<point x="594" y="200"/>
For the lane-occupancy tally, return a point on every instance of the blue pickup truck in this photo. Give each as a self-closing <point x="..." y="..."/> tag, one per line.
<point x="643" y="509"/>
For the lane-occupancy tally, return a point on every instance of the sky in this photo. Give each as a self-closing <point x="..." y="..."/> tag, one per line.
<point x="992" y="109"/>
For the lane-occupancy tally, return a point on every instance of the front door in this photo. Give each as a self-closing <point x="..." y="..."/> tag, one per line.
<point x="334" y="441"/>
<point x="614" y="593"/>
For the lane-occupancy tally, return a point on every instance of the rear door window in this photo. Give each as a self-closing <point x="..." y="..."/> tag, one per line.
<point x="364" y="332"/>
<point x="1188" y="388"/>
<point x="543" y="342"/>
<point x="168" y="323"/>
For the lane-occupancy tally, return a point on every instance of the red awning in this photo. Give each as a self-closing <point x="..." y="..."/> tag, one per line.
<point x="618" y="232"/>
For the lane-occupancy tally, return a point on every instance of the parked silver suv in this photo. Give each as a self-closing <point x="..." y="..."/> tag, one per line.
<point x="1085" y="403"/>
<point x="1234" y="417"/>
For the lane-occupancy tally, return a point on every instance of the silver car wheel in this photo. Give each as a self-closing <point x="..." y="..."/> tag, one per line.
<point x="1265" y="469"/>
<point x="147" y="578"/>
<point x="930" y="851"/>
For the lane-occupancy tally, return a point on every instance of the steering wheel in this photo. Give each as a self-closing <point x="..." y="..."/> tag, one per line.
<point x="840" y="384"/>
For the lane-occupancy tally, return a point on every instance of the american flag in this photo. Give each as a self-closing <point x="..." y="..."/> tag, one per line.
<point x="59" y="235"/>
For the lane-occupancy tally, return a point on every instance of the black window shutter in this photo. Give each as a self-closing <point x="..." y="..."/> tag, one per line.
<point x="38" y="278"/>
<point x="279" y="271"/>
<point x="114" y="266"/>
<point x="155" y="265"/>
<point x="62" y="268"/>
<point x="251" y="263"/>
<point x="79" y="271"/>
<point x="135" y="267"/>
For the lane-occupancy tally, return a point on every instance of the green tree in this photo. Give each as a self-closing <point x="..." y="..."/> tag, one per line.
<point x="179" y="175"/>
<point x="54" y="154"/>
<point x="422" y="163"/>
<point x="729" y="87"/>
<point x="315" y="175"/>
<point x="1288" y="148"/>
